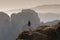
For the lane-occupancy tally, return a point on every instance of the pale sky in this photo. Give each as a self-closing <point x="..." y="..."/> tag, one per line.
<point x="20" y="4"/>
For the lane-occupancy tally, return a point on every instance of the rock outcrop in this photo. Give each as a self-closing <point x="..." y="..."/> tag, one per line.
<point x="4" y="26"/>
<point x="19" y="22"/>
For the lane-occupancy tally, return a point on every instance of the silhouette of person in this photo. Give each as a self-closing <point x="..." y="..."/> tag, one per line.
<point x="29" y="23"/>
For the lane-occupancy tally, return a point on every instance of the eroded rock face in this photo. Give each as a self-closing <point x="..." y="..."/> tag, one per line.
<point x="19" y="21"/>
<point x="32" y="16"/>
<point x="4" y="26"/>
<point x="11" y="27"/>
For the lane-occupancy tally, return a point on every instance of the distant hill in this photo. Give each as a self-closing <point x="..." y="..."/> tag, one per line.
<point x="49" y="16"/>
<point x="52" y="22"/>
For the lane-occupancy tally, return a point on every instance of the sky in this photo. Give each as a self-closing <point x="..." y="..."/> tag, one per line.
<point x="23" y="4"/>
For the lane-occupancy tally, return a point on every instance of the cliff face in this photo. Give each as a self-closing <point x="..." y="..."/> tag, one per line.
<point x="4" y="26"/>
<point x="32" y="16"/>
<point x="19" y="21"/>
<point x="11" y="27"/>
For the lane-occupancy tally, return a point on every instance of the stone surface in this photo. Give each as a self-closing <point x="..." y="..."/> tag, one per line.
<point x="19" y="21"/>
<point x="4" y="26"/>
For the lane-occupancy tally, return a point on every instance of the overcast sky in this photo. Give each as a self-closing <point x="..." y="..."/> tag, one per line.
<point x="20" y="4"/>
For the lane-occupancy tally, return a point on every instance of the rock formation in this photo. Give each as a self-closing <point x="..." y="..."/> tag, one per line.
<point x="4" y="25"/>
<point x="19" y="22"/>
